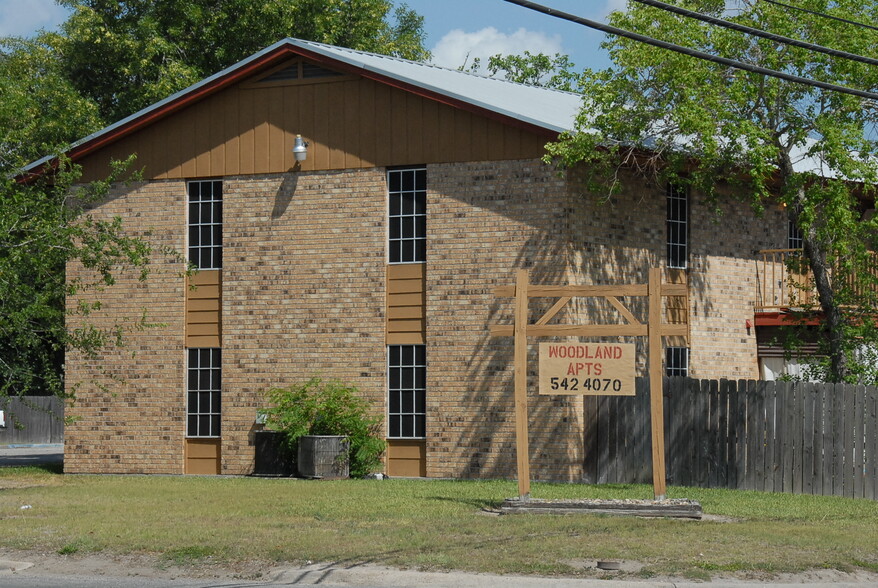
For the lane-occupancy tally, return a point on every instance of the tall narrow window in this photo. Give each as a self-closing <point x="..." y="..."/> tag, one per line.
<point x="407" y="391"/>
<point x="407" y="215"/>
<point x="794" y="236"/>
<point x="678" y="226"/>
<point x="206" y="224"/>
<point x="677" y="361"/>
<point x="205" y="380"/>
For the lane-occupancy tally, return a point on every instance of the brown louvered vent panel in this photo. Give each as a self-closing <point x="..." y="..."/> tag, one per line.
<point x="310" y="71"/>
<point x="202" y="456"/>
<point x="770" y="340"/>
<point x="297" y="72"/>
<point x="406" y="304"/>
<point x="677" y="307"/>
<point x="407" y="458"/>
<point x="203" y="309"/>
<point x="287" y="74"/>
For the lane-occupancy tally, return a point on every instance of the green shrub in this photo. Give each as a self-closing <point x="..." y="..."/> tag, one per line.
<point x="328" y="408"/>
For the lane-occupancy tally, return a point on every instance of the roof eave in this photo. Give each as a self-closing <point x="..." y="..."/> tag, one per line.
<point x="163" y="108"/>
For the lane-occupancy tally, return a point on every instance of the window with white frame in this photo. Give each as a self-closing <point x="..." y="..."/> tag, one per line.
<point x="678" y="226"/>
<point x="206" y="224"/>
<point x="407" y="215"/>
<point x="407" y="391"/>
<point x="204" y="387"/>
<point x="677" y="361"/>
<point x="794" y="236"/>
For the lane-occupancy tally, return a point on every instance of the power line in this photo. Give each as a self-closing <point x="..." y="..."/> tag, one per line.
<point x="756" y="32"/>
<point x="692" y="52"/>
<point x="823" y="14"/>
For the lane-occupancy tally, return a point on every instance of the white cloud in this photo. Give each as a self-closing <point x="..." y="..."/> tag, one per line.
<point x="459" y="48"/>
<point x="612" y="5"/>
<point x="22" y="18"/>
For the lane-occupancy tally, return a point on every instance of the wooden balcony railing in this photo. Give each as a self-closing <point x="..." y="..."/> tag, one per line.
<point x="778" y="287"/>
<point x="784" y="281"/>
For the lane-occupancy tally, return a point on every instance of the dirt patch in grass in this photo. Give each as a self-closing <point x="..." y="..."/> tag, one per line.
<point x="712" y="518"/>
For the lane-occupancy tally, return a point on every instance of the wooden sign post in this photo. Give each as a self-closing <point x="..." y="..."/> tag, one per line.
<point x="653" y="330"/>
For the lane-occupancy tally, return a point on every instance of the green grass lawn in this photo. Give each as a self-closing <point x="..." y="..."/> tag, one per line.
<point x="438" y="525"/>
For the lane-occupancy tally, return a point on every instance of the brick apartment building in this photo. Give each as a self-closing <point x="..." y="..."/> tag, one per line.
<point x="375" y="261"/>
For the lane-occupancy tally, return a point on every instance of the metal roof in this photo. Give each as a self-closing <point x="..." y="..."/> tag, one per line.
<point x="552" y="110"/>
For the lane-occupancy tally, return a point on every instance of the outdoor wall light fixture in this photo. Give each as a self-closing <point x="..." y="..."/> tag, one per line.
<point x="300" y="149"/>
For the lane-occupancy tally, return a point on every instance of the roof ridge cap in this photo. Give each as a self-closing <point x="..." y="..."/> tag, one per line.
<point x="428" y="64"/>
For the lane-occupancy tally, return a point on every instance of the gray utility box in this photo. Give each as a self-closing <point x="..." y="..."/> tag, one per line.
<point x="323" y="456"/>
<point x="272" y="458"/>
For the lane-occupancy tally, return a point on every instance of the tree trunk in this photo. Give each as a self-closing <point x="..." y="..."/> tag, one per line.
<point x="838" y="363"/>
<point x="820" y="269"/>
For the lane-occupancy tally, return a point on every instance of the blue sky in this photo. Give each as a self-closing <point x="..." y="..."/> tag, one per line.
<point x="487" y="27"/>
<point x="457" y="30"/>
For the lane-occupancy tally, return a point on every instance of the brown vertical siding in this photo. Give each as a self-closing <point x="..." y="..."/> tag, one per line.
<point x="406" y="301"/>
<point x="204" y="147"/>
<point x="350" y="123"/>
<point x="277" y="155"/>
<point x="350" y="116"/>
<point x="246" y="138"/>
<point x="188" y="151"/>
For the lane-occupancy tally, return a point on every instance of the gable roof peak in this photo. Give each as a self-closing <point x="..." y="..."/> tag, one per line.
<point x="543" y="110"/>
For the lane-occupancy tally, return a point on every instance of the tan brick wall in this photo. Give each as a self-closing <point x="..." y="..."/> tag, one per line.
<point x="129" y="415"/>
<point x="303" y="295"/>
<point x="615" y="239"/>
<point x="303" y="291"/>
<point x="485" y="221"/>
<point x="723" y="285"/>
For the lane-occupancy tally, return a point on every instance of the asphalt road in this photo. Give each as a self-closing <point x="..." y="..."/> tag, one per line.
<point x="23" y="455"/>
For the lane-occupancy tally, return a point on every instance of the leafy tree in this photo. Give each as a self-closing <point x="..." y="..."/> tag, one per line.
<point x="127" y="55"/>
<point x="40" y="227"/>
<point x="43" y="227"/>
<point x="40" y="110"/>
<point x="535" y="69"/>
<point x="708" y="125"/>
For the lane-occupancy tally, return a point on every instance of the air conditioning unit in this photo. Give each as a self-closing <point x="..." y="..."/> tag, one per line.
<point x="323" y="456"/>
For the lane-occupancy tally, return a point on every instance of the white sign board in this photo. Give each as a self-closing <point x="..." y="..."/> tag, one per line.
<point x="591" y="369"/>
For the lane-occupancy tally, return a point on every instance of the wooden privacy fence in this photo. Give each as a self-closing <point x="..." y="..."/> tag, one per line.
<point x="749" y="435"/>
<point x="32" y="419"/>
